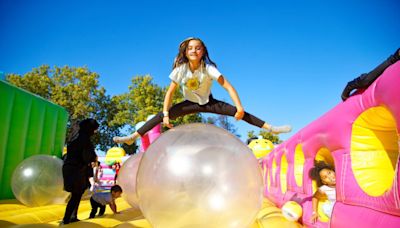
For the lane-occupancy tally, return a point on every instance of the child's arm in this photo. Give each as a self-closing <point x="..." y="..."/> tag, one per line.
<point x="168" y="102"/>
<point x="316" y="197"/>
<point x="113" y="207"/>
<point x="234" y="96"/>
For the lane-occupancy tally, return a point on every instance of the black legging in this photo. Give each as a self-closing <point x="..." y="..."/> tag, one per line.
<point x="73" y="205"/>
<point x="187" y="107"/>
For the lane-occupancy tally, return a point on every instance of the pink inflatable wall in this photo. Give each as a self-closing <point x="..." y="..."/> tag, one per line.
<point x="360" y="138"/>
<point x="149" y="137"/>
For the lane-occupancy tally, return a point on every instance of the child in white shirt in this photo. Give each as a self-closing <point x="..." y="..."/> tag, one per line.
<point x="325" y="176"/>
<point x="194" y="71"/>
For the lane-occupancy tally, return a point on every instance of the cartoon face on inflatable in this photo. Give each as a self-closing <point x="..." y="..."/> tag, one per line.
<point x="114" y="155"/>
<point x="261" y="147"/>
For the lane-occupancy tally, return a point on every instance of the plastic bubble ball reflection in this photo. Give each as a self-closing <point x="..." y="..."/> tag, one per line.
<point x="199" y="175"/>
<point x="38" y="181"/>
<point x="127" y="179"/>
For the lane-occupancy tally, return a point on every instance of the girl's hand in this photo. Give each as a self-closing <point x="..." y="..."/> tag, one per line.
<point x="239" y="113"/>
<point x="314" y="217"/>
<point x="166" y="122"/>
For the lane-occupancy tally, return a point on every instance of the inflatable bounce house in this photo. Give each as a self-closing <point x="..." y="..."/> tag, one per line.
<point x="186" y="174"/>
<point x="30" y="125"/>
<point x="360" y="138"/>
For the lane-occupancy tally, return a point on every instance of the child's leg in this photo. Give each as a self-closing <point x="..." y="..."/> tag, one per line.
<point x="277" y="129"/>
<point x="180" y="109"/>
<point x="102" y="210"/>
<point x="94" y="205"/>
<point x="223" y="108"/>
<point x="129" y="139"/>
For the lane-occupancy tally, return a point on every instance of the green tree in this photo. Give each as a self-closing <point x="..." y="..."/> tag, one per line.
<point x="76" y="89"/>
<point x="38" y="81"/>
<point x="222" y="121"/>
<point x="266" y="135"/>
<point x="143" y="99"/>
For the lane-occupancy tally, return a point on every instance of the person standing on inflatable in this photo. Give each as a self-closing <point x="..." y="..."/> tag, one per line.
<point x="80" y="154"/>
<point x="194" y="71"/>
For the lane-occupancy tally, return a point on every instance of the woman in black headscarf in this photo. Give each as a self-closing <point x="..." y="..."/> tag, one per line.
<point x="80" y="154"/>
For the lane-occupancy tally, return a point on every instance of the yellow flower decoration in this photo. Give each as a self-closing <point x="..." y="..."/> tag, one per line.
<point x="193" y="83"/>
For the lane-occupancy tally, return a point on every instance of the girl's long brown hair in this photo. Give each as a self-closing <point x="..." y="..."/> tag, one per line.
<point x="181" y="56"/>
<point x="318" y="166"/>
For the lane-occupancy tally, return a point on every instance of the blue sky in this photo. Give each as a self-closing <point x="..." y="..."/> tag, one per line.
<point x="288" y="60"/>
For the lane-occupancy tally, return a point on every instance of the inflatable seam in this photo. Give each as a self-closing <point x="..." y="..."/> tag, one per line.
<point x="343" y="176"/>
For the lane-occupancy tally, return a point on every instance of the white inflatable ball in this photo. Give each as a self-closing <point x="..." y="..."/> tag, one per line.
<point x="292" y="211"/>
<point x="199" y="175"/>
<point x="38" y="181"/>
<point x="127" y="179"/>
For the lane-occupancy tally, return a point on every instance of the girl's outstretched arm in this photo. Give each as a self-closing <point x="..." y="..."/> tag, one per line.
<point x="318" y="195"/>
<point x="234" y="96"/>
<point x="167" y="103"/>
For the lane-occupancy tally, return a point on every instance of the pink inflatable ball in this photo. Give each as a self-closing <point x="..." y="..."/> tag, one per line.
<point x="127" y="179"/>
<point x="38" y="181"/>
<point x="199" y="175"/>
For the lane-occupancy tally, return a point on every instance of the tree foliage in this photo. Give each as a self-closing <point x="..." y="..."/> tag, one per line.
<point x="143" y="99"/>
<point x="222" y="121"/>
<point x="74" y="88"/>
<point x="266" y="135"/>
<point x="77" y="90"/>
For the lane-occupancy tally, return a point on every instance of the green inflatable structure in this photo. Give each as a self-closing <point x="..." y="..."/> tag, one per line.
<point x="29" y="125"/>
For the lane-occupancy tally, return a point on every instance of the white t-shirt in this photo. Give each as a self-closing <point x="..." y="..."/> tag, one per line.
<point x="196" y="86"/>
<point x="102" y="198"/>
<point x="329" y="191"/>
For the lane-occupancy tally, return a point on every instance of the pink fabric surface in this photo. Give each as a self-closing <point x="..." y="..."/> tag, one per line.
<point x="333" y="131"/>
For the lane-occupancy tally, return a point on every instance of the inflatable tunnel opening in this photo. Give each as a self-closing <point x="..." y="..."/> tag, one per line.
<point x="299" y="165"/>
<point x="283" y="173"/>
<point x="323" y="154"/>
<point x="374" y="150"/>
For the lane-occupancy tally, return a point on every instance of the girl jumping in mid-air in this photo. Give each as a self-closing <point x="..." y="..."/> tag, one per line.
<point x="194" y="71"/>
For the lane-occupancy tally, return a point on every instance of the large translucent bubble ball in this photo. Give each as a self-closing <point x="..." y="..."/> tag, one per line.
<point x="127" y="179"/>
<point x="38" y="181"/>
<point x="199" y="175"/>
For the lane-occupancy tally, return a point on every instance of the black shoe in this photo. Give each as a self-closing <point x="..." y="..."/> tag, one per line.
<point x="62" y="223"/>
<point x="74" y="220"/>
